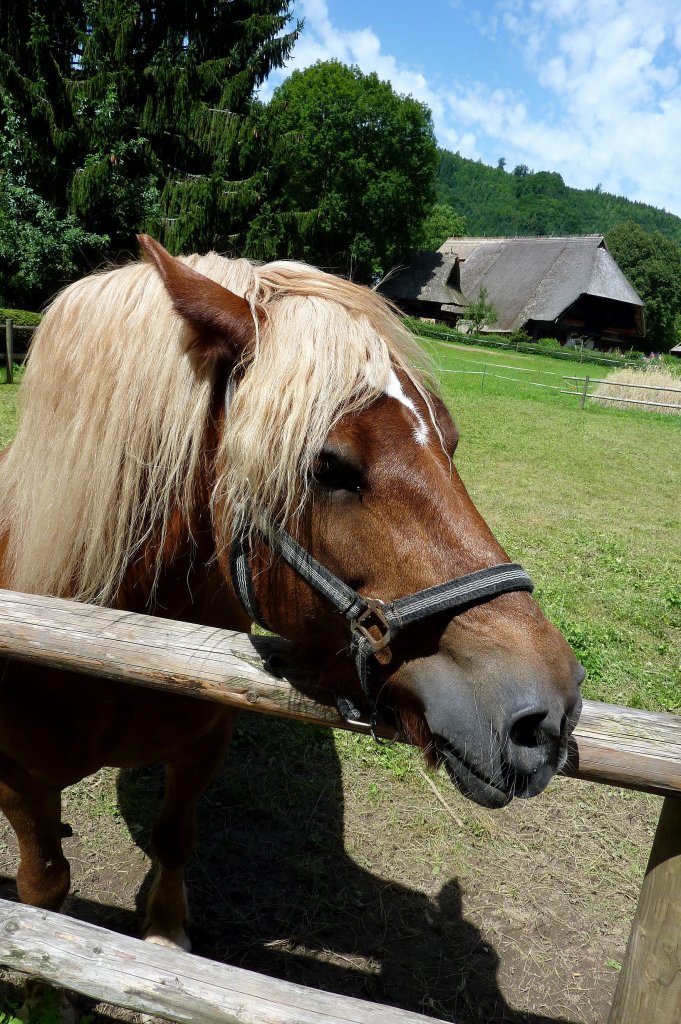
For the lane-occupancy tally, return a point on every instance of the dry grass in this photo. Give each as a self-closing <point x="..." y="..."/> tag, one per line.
<point x="641" y="387"/>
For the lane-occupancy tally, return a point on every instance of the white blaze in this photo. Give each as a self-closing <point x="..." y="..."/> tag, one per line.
<point x="395" y="390"/>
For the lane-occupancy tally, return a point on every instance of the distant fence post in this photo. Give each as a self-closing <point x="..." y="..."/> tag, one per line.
<point x="583" y="398"/>
<point x="9" y="349"/>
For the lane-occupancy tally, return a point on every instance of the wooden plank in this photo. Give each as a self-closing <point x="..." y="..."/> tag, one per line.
<point x="649" y="986"/>
<point x="165" y="654"/>
<point x="627" y="747"/>
<point x="9" y="350"/>
<point x="165" y="982"/>
<point x="613" y="745"/>
<point x="633" y="401"/>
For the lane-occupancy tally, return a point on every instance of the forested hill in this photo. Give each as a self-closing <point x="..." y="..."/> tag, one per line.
<point x="495" y="201"/>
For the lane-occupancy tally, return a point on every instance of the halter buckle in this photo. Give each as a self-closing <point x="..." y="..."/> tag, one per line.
<point x="373" y="625"/>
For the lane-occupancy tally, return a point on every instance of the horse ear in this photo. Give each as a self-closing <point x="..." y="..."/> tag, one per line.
<point x="222" y="323"/>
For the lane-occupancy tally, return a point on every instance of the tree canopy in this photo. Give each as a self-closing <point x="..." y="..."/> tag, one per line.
<point x="441" y="223"/>
<point x="653" y="265"/>
<point x="131" y="115"/>
<point x="349" y="173"/>
<point x="526" y="202"/>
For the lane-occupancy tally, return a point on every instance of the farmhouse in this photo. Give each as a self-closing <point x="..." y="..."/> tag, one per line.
<point x="551" y="287"/>
<point x="426" y="287"/>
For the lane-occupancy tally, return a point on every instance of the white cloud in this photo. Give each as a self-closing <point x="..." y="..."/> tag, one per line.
<point x="605" y="72"/>
<point x="321" y="40"/>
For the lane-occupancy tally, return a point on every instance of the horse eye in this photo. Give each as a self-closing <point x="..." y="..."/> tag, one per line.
<point x="333" y="473"/>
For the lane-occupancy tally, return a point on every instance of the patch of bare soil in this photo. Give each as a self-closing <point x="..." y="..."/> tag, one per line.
<point x="328" y="864"/>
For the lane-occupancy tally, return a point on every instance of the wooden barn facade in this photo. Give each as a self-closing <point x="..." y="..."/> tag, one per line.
<point x="550" y="287"/>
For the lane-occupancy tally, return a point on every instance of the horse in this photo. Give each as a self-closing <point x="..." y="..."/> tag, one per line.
<point x="218" y="442"/>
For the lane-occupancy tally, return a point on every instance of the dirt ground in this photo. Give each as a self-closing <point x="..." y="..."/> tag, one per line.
<point x="328" y="862"/>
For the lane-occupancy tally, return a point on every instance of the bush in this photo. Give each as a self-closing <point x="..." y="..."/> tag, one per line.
<point x="520" y="337"/>
<point x="550" y="347"/>
<point x="21" y="317"/>
<point x="671" y="363"/>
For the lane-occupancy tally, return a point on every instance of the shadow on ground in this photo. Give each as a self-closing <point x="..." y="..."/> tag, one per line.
<point x="273" y="889"/>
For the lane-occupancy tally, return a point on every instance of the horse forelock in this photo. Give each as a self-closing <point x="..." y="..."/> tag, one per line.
<point x="115" y="415"/>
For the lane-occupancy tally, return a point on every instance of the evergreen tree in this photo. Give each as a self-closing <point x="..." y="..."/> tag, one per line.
<point x="164" y="92"/>
<point x="135" y="114"/>
<point x="38" y="41"/>
<point x="480" y="313"/>
<point x="40" y="249"/>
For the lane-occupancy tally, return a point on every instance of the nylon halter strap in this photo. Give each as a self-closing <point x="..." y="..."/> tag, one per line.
<point x="374" y="624"/>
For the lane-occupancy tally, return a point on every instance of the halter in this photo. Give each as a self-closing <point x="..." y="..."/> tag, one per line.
<point x="374" y="624"/>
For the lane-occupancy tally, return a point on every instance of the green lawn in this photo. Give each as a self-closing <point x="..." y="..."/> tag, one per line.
<point x="589" y="501"/>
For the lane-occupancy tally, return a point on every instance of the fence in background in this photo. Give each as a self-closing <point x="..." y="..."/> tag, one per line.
<point x="17" y="339"/>
<point x="565" y="385"/>
<point x="580" y="388"/>
<point x="576" y="355"/>
<point x="612" y="745"/>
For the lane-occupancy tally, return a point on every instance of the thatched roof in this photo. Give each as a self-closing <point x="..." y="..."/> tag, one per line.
<point x="426" y="278"/>
<point x="537" y="278"/>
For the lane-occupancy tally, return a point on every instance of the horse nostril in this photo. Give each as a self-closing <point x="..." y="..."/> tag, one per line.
<point x="525" y="730"/>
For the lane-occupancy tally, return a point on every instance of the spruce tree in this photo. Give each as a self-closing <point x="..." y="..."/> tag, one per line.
<point x="163" y="94"/>
<point x="38" y="42"/>
<point x="134" y="115"/>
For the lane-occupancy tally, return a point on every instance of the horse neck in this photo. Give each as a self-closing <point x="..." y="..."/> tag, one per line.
<point x="190" y="584"/>
<point x="159" y="580"/>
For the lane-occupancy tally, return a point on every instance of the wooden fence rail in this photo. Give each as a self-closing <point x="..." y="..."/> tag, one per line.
<point x="151" y="979"/>
<point x="612" y="745"/>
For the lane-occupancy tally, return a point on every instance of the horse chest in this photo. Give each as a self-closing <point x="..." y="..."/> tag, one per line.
<point x="63" y="727"/>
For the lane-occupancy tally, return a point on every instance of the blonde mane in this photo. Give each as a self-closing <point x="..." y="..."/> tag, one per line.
<point x="115" y="413"/>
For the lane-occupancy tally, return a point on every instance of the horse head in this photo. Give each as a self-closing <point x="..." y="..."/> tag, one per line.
<point x="370" y="492"/>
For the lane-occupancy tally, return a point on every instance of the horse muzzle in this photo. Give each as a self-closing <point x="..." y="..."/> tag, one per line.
<point x="506" y="741"/>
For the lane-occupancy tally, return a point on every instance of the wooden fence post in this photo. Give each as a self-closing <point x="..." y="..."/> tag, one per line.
<point x="9" y="349"/>
<point x="583" y="398"/>
<point x="649" y="987"/>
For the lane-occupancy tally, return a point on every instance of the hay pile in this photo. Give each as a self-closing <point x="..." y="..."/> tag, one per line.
<point x="645" y="383"/>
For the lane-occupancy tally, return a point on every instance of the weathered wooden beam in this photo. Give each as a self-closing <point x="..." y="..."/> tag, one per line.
<point x="166" y="982"/>
<point x="627" y="747"/>
<point x="165" y="654"/>
<point x="649" y="987"/>
<point x="9" y="350"/>
<point x="613" y="745"/>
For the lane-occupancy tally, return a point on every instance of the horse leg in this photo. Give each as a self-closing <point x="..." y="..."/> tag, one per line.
<point x="34" y="812"/>
<point x="174" y="832"/>
<point x="43" y="877"/>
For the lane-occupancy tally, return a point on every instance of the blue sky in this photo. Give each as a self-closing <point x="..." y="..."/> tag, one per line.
<point x="589" y="88"/>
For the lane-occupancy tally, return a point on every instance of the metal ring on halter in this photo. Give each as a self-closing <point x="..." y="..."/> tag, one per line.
<point x="379" y="739"/>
